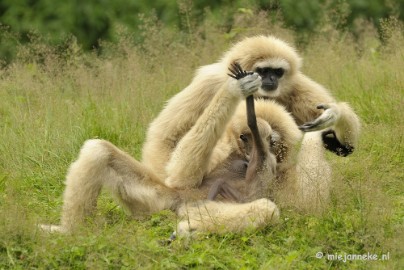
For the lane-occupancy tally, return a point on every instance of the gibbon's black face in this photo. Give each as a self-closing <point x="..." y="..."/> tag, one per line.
<point x="270" y="77"/>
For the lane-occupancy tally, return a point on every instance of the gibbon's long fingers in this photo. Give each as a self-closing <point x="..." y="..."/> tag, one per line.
<point x="240" y="71"/>
<point x="325" y="120"/>
<point x="231" y="75"/>
<point x="237" y="72"/>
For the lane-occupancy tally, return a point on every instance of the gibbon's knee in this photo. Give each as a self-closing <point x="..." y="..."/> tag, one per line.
<point x="84" y="181"/>
<point x="221" y="217"/>
<point x="91" y="167"/>
<point x="101" y="164"/>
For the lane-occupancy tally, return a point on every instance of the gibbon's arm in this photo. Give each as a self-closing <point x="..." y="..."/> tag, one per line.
<point x="179" y="115"/>
<point x="338" y="120"/>
<point x="190" y="159"/>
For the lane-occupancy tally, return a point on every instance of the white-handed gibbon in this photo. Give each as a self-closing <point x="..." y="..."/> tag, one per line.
<point x="203" y="132"/>
<point x="279" y="66"/>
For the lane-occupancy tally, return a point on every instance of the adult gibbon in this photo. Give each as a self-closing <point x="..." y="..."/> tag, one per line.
<point x="171" y="137"/>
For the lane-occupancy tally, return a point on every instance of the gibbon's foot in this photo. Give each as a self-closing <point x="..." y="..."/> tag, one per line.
<point x="327" y="119"/>
<point x="332" y="144"/>
<point x="248" y="81"/>
<point x="225" y="217"/>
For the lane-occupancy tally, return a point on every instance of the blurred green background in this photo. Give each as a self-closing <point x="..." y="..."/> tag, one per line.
<point x="90" y="21"/>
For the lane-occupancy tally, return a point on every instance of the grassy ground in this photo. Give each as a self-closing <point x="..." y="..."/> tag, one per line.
<point x="50" y="104"/>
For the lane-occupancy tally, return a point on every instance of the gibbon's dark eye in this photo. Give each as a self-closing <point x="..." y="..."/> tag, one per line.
<point x="243" y="138"/>
<point x="263" y="72"/>
<point x="267" y="71"/>
<point x="279" y="72"/>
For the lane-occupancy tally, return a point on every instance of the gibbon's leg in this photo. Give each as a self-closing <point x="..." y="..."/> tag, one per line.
<point x="101" y="164"/>
<point x="222" y="217"/>
<point x="308" y="185"/>
<point x="190" y="159"/>
<point x="345" y="126"/>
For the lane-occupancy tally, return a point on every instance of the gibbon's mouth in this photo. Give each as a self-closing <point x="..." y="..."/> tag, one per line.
<point x="269" y="87"/>
<point x="267" y="93"/>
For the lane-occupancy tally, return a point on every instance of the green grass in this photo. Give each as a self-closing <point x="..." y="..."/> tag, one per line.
<point x="50" y="104"/>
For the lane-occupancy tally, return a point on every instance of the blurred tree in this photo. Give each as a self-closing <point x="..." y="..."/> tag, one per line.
<point x="93" y="20"/>
<point x="88" y="20"/>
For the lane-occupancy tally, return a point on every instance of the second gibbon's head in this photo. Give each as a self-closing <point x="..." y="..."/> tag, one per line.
<point x="273" y="59"/>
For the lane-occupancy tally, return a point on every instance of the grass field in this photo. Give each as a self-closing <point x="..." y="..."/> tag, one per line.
<point x="50" y="104"/>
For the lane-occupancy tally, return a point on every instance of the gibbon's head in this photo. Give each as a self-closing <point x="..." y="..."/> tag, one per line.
<point x="273" y="59"/>
<point x="282" y="133"/>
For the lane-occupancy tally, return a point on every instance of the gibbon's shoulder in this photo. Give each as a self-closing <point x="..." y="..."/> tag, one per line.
<point x="254" y="49"/>
<point x="216" y="69"/>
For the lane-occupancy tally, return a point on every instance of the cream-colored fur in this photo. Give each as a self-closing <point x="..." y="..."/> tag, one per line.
<point x="198" y="130"/>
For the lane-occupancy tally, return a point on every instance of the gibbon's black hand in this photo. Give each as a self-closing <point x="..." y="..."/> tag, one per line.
<point x="237" y="72"/>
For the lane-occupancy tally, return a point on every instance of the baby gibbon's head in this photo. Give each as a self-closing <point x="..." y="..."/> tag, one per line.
<point x="284" y="134"/>
<point x="273" y="59"/>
